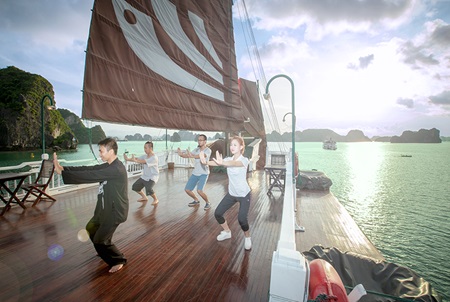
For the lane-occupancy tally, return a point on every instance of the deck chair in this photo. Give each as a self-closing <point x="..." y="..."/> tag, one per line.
<point x="39" y="187"/>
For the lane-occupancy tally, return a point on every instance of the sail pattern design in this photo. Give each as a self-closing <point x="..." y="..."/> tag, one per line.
<point x="199" y="27"/>
<point x="172" y="26"/>
<point x="161" y="63"/>
<point x="142" y="39"/>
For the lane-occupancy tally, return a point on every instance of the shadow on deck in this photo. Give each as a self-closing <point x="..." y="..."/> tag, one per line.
<point x="172" y="251"/>
<point x="171" y="248"/>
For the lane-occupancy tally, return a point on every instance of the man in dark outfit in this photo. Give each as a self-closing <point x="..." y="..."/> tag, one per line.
<point x="112" y="202"/>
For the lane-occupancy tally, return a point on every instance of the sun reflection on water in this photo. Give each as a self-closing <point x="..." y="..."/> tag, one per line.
<point x="365" y="161"/>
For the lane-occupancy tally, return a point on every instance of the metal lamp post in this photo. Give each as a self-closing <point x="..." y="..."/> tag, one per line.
<point x="44" y="155"/>
<point x="293" y="117"/>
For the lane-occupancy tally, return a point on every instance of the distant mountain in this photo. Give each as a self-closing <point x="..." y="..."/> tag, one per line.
<point x="421" y="136"/>
<point x="357" y="136"/>
<point x="319" y="135"/>
<point x="384" y="139"/>
<point x="82" y="134"/>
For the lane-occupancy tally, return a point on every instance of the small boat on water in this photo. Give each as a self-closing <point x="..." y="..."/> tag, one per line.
<point x="405" y="155"/>
<point x="329" y="144"/>
<point x="130" y="65"/>
<point x="161" y="63"/>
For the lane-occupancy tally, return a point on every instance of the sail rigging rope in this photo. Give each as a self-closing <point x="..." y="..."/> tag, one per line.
<point x="90" y="138"/>
<point x="258" y="71"/>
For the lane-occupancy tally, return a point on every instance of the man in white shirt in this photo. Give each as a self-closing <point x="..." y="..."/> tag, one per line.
<point x="200" y="173"/>
<point x="150" y="174"/>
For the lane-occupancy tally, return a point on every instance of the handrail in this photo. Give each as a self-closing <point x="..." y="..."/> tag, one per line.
<point x="289" y="278"/>
<point x="57" y="185"/>
<point x="33" y="164"/>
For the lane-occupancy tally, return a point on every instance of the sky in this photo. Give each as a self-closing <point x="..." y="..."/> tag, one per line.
<point x="382" y="67"/>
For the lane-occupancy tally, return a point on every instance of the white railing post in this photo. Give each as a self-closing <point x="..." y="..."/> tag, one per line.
<point x="289" y="278"/>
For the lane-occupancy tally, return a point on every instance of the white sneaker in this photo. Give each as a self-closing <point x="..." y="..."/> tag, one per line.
<point x="224" y="235"/>
<point x="248" y="243"/>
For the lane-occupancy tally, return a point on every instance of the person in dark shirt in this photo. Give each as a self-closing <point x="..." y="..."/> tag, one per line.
<point x="112" y="200"/>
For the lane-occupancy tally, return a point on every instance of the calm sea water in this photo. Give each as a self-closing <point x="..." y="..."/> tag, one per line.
<point x="401" y="203"/>
<point x="85" y="152"/>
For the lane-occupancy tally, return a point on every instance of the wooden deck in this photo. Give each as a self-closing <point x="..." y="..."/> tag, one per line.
<point x="171" y="248"/>
<point x="327" y="223"/>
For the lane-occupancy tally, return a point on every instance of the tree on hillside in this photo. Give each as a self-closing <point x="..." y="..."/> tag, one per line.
<point x="274" y="137"/>
<point x="175" y="138"/>
<point x="186" y="135"/>
<point x="135" y="137"/>
<point x="21" y="97"/>
<point x="83" y="134"/>
<point x="166" y="137"/>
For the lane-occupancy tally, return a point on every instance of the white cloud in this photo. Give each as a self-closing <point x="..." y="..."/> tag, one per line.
<point x="48" y="24"/>
<point x="48" y="38"/>
<point x="331" y="17"/>
<point x="399" y="52"/>
<point x="355" y="66"/>
<point x="442" y="98"/>
<point x="364" y="62"/>
<point x="408" y="103"/>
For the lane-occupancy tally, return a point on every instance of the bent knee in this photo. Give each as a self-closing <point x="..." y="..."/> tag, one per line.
<point x="243" y="223"/>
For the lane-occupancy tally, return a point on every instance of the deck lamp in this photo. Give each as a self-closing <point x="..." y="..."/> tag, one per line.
<point x="266" y="96"/>
<point x="51" y="107"/>
<point x="284" y="117"/>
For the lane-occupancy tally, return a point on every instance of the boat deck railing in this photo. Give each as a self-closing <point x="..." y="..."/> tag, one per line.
<point x="288" y="265"/>
<point x="57" y="185"/>
<point x="289" y="277"/>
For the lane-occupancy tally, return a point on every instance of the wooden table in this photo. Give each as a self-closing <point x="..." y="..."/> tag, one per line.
<point x="277" y="177"/>
<point x="4" y="178"/>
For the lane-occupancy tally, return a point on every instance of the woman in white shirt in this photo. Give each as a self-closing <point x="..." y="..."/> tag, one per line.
<point x="238" y="189"/>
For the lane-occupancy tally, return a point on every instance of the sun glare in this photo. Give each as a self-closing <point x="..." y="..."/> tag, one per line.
<point x="364" y="171"/>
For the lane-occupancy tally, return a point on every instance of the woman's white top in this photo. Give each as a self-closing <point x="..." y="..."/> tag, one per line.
<point x="237" y="178"/>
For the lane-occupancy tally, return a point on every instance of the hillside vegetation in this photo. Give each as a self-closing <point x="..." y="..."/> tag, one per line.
<point x="21" y="96"/>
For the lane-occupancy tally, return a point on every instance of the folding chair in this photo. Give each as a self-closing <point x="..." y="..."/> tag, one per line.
<point x="41" y="183"/>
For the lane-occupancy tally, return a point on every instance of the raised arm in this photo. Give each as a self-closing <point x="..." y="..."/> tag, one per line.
<point x="187" y="154"/>
<point x="133" y="158"/>
<point x="226" y="163"/>
<point x="58" y="167"/>
<point x="203" y="160"/>
<point x="125" y="157"/>
<point x="181" y="153"/>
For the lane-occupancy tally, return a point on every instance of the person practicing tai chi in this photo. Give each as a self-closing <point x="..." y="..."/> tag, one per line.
<point x="200" y="173"/>
<point x="238" y="189"/>
<point x="150" y="174"/>
<point x="112" y="199"/>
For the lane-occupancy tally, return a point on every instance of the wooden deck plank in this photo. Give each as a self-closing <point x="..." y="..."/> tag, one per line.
<point x="172" y="251"/>
<point x="327" y="223"/>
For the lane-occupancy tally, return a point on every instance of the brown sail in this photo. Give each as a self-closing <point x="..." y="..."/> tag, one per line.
<point x="164" y="64"/>
<point x="254" y="119"/>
